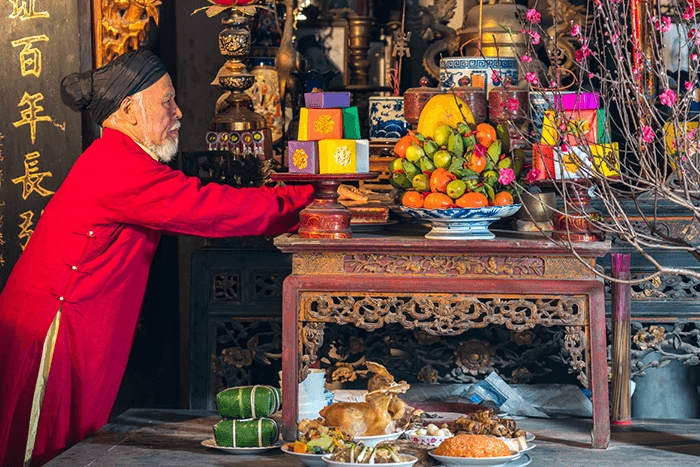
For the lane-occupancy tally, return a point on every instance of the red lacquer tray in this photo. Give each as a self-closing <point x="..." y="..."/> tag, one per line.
<point x="325" y="217"/>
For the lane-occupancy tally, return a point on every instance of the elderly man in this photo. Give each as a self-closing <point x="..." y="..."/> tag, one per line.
<point x="70" y="306"/>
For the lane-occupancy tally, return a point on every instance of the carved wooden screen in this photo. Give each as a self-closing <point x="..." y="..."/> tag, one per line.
<point x="40" y="138"/>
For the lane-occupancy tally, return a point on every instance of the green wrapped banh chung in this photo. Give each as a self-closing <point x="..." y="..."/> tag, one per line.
<point x="248" y="402"/>
<point x="250" y="433"/>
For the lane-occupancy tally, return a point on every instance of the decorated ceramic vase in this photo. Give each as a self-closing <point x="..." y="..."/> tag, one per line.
<point x="485" y="73"/>
<point x="386" y="120"/>
<point x="265" y="94"/>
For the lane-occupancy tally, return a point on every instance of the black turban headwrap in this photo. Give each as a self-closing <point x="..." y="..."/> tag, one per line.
<point x="102" y="91"/>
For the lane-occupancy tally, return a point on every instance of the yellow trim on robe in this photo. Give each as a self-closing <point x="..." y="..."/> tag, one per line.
<point x="40" y="389"/>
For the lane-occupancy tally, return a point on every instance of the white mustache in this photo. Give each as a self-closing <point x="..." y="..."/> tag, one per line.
<point x="175" y="127"/>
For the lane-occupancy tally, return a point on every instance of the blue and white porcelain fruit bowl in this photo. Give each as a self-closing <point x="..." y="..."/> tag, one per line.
<point x="461" y="223"/>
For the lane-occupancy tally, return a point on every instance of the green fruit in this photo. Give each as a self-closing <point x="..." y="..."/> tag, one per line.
<point x="396" y="164"/>
<point x="426" y="164"/>
<point x="442" y="133"/>
<point x="490" y="177"/>
<point x="430" y="147"/>
<point x="410" y="169"/>
<point x="505" y="163"/>
<point x="463" y="128"/>
<point x="455" y="145"/>
<point x="456" y="188"/>
<point x="494" y="151"/>
<point x="442" y="159"/>
<point x="414" y="153"/>
<point x="457" y="163"/>
<point x="399" y="180"/>
<point x="421" y="183"/>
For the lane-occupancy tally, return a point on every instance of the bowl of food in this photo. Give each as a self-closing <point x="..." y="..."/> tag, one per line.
<point x="353" y="454"/>
<point x="473" y="450"/>
<point x="431" y="435"/>
<point x="461" y="223"/>
<point x="375" y="440"/>
<point x="309" y="459"/>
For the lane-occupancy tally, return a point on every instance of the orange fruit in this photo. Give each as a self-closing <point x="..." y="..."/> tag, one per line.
<point x="440" y="178"/>
<point x="412" y="199"/>
<point x="437" y="201"/>
<point x="476" y="162"/>
<point x="485" y="134"/>
<point x="404" y="143"/>
<point x="503" y="198"/>
<point x="443" y="109"/>
<point x="472" y="200"/>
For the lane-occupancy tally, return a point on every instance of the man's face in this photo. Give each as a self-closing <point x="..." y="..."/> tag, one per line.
<point x="159" y="120"/>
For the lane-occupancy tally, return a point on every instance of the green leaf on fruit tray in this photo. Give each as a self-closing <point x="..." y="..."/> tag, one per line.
<point x="488" y="191"/>
<point x="518" y="160"/>
<point x="457" y="163"/>
<point x="455" y="145"/>
<point x="419" y="136"/>
<point x="503" y="136"/>
<point x="430" y="147"/>
<point x="505" y="163"/>
<point x="494" y="151"/>
<point x="466" y="174"/>
<point x="489" y="177"/>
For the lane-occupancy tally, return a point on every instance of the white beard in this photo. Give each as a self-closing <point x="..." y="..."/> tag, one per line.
<point x="165" y="152"/>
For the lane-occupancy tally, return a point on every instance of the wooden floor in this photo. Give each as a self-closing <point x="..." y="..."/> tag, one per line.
<point x="142" y="437"/>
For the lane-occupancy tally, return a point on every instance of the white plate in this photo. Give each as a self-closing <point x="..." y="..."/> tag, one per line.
<point x="211" y="443"/>
<point x="451" y="461"/>
<point x="529" y="447"/>
<point x="312" y="460"/>
<point x="331" y="463"/>
<point x="529" y="437"/>
<point x="440" y="417"/>
<point x="372" y="441"/>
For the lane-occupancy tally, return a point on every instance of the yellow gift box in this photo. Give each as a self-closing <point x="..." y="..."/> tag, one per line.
<point x="337" y="156"/>
<point x="577" y="162"/>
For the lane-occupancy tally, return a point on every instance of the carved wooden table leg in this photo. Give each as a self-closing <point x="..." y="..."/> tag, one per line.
<point x="600" y="436"/>
<point x="290" y="360"/>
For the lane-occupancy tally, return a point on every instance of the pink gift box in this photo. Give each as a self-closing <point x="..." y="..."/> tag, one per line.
<point x="577" y="100"/>
<point x="327" y="100"/>
<point x="302" y="157"/>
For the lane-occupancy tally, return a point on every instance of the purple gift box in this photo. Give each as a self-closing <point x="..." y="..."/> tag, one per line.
<point x="577" y="100"/>
<point x="327" y="100"/>
<point x="302" y="157"/>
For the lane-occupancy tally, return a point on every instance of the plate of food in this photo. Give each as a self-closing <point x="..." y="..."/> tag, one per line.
<point x="431" y="435"/>
<point x="353" y="454"/>
<point x="466" y="450"/>
<point x="314" y="444"/>
<point x="211" y="443"/>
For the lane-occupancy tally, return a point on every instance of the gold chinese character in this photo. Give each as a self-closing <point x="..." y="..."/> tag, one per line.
<point x="26" y="9"/>
<point x="29" y="116"/>
<point x="26" y="231"/>
<point x="29" y="57"/>
<point x="31" y="181"/>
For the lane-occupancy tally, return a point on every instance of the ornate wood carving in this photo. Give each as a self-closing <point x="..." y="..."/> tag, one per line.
<point x="310" y="341"/>
<point x="574" y="343"/>
<point x="442" y="314"/>
<point x="267" y="285"/>
<point x="451" y="265"/>
<point x="121" y="26"/>
<point x="226" y="287"/>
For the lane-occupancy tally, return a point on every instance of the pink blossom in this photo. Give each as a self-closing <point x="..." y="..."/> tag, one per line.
<point x="494" y="77"/>
<point x="575" y="29"/>
<point x="564" y="147"/>
<point x="506" y="176"/>
<point x="533" y="175"/>
<point x="582" y="53"/>
<point x="691" y="133"/>
<point x="535" y="37"/>
<point x="688" y="14"/>
<point x="668" y="97"/>
<point x="590" y="75"/>
<point x="513" y="104"/>
<point x="614" y="37"/>
<point x="664" y="25"/>
<point x="531" y="77"/>
<point x="688" y="85"/>
<point x="693" y="56"/>
<point x="526" y="58"/>
<point x="647" y="134"/>
<point x="533" y="16"/>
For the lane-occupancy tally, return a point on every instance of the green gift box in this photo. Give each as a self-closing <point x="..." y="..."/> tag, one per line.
<point x="351" y="123"/>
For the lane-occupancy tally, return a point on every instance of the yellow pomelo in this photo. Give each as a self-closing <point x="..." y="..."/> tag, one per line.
<point x="444" y="109"/>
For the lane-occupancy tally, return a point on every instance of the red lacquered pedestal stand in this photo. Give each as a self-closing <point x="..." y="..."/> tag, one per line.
<point x="325" y="217"/>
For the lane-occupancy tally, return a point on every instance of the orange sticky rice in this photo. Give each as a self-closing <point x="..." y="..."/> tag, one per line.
<point x="465" y="445"/>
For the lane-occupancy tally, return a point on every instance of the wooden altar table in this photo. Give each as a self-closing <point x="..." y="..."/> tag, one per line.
<point x="443" y="287"/>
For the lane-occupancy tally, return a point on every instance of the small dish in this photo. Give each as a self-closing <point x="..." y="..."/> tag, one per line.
<point x="211" y="443"/>
<point x="372" y="441"/>
<point x="331" y="463"/>
<point x="451" y="461"/>
<point x="426" y="440"/>
<point x="311" y="460"/>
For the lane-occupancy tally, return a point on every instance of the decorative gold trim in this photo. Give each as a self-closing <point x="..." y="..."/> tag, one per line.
<point x="574" y="344"/>
<point x="121" y="26"/>
<point x="317" y="263"/>
<point x="310" y="342"/>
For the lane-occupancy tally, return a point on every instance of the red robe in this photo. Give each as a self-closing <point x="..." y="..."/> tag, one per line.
<point x="90" y="256"/>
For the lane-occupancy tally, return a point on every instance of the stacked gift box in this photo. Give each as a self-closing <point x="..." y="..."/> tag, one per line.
<point x="329" y="137"/>
<point x="575" y="140"/>
<point x="245" y="411"/>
